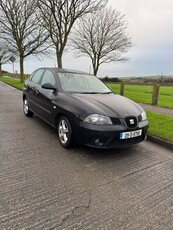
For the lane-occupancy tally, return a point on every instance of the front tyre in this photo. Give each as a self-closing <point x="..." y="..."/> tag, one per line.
<point x="26" y="109"/>
<point x="65" y="132"/>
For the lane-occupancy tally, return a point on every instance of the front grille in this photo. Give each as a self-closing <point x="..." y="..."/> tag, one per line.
<point x="131" y="122"/>
<point x="114" y="141"/>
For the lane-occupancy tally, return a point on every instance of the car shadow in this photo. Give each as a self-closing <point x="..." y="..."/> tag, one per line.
<point x="105" y="153"/>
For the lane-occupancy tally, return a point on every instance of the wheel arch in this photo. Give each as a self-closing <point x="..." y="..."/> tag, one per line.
<point x="57" y="117"/>
<point x="68" y="116"/>
<point x="24" y="96"/>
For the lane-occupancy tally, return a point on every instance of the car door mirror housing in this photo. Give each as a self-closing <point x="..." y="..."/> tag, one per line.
<point x="49" y="86"/>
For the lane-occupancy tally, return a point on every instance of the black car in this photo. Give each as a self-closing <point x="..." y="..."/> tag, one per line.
<point x="83" y="109"/>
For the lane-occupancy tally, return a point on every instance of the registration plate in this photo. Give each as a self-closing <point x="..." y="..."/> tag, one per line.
<point x="132" y="134"/>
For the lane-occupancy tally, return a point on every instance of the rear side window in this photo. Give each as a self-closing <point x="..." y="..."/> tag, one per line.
<point x="37" y="76"/>
<point x="48" y="77"/>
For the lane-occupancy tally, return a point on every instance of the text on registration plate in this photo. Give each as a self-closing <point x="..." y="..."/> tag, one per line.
<point x="127" y="135"/>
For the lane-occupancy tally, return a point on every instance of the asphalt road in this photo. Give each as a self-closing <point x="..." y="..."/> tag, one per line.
<point x="43" y="186"/>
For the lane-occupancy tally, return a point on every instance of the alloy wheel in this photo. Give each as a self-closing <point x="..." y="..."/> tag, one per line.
<point x="63" y="131"/>
<point x="25" y="106"/>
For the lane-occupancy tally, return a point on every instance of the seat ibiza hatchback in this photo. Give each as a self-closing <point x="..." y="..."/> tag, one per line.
<point x="83" y="109"/>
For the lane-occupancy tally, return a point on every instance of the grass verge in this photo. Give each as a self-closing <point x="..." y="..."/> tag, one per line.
<point x="143" y="93"/>
<point x="160" y="126"/>
<point x="13" y="82"/>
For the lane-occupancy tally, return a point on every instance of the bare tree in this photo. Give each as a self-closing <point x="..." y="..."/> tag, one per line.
<point x="20" y="27"/>
<point x="102" y="37"/>
<point x="4" y="54"/>
<point x="59" y="17"/>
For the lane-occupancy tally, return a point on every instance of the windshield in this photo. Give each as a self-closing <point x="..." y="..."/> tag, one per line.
<point x="82" y="83"/>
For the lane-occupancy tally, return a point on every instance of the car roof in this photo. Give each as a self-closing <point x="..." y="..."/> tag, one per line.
<point x="62" y="70"/>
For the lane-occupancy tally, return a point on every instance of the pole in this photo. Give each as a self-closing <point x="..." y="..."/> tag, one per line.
<point x="13" y="68"/>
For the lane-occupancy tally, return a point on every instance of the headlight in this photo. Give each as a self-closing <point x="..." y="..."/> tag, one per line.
<point x="98" y="119"/>
<point x="144" y="116"/>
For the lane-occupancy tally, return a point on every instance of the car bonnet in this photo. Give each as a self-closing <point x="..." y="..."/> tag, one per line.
<point x="108" y="104"/>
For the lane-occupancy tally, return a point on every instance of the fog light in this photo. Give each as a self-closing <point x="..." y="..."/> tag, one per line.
<point x="98" y="142"/>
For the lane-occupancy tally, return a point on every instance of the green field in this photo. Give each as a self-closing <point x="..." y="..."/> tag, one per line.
<point x="143" y="94"/>
<point x="160" y="126"/>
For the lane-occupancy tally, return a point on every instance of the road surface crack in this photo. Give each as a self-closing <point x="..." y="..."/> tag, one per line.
<point x="79" y="210"/>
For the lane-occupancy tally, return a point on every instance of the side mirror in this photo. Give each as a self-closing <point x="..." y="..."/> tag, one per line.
<point x="49" y="86"/>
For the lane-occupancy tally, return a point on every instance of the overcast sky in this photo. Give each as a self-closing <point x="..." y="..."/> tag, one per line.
<point x="150" y="24"/>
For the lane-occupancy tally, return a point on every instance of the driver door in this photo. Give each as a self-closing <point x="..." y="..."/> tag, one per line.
<point x="46" y="96"/>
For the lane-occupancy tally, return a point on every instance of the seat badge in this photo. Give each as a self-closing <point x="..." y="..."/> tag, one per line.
<point x="132" y="122"/>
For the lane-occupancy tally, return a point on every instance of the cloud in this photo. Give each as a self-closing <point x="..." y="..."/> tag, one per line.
<point x="150" y="26"/>
<point x="150" y="22"/>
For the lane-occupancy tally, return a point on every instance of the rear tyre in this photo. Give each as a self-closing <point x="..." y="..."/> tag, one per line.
<point x="65" y="132"/>
<point x="26" y="110"/>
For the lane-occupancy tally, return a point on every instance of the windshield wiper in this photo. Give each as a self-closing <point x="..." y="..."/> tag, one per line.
<point x="107" y="92"/>
<point x="90" y="92"/>
<point x="94" y="92"/>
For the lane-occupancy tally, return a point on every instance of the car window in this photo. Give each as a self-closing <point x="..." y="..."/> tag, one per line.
<point x="82" y="83"/>
<point x="48" y="77"/>
<point x="37" y="76"/>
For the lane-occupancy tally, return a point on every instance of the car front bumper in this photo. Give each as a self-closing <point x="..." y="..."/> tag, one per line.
<point x="100" y="136"/>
